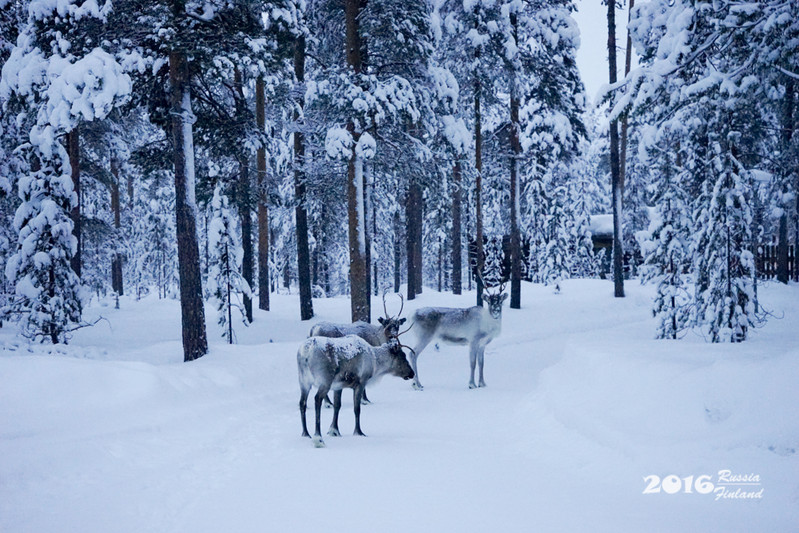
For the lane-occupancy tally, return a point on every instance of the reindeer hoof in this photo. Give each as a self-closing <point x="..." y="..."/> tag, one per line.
<point x="359" y="433"/>
<point x="306" y="434"/>
<point x="366" y="402"/>
<point x="482" y="384"/>
<point x="318" y="442"/>
<point x="327" y="404"/>
<point x="417" y="386"/>
<point x="334" y="432"/>
<point x="472" y="385"/>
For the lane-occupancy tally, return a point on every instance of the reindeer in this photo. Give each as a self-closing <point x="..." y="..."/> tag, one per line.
<point x="474" y="326"/>
<point x="374" y="335"/>
<point x="345" y="362"/>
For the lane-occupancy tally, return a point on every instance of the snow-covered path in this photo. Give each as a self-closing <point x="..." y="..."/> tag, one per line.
<point x="115" y="434"/>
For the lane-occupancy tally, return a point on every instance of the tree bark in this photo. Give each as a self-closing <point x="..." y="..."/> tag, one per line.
<point x="243" y="201"/>
<point x="359" y="295"/>
<point x="457" y="268"/>
<point x="787" y="134"/>
<point x="73" y="151"/>
<point x="616" y="184"/>
<point x="195" y="344"/>
<point x="263" y="209"/>
<point x="303" y="251"/>
<point x="116" y="261"/>
<point x="397" y="253"/>
<point x="478" y="184"/>
<point x="627" y="63"/>
<point x="367" y="213"/>
<point x="413" y="238"/>
<point x="516" y="152"/>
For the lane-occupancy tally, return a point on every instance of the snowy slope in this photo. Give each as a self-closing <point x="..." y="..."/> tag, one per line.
<point x="113" y="433"/>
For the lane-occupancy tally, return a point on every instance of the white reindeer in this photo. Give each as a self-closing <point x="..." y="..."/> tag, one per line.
<point x="473" y="326"/>
<point x="374" y="335"/>
<point x="345" y="362"/>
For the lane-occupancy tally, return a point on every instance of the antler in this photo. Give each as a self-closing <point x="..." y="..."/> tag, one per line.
<point x="487" y="288"/>
<point x="406" y="331"/>
<point x="402" y="304"/>
<point x="385" y="310"/>
<point x="408" y="347"/>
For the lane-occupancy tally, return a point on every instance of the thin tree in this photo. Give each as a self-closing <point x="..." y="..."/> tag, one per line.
<point x="73" y="150"/>
<point x="303" y="252"/>
<point x="617" y="185"/>
<point x="516" y="151"/>
<point x="263" y="209"/>
<point x="243" y="198"/>
<point x="456" y="270"/>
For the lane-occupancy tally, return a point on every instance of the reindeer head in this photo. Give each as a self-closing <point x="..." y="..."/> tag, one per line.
<point x="399" y="363"/>
<point x="391" y="324"/>
<point x="493" y="299"/>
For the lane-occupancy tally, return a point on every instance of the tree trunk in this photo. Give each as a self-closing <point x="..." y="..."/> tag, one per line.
<point x="627" y="63"/>
<point x="73" y="151"/>
<point x="116" y="261"/>
<point x="243" y="201"/>
<point x="787" y="134"/>
<point x="245" y="214"/>
<point x="413" y="219"/>
<point x="397" y="253"/>
<point x="359" y="295"/>
<point x="457" y="269"/>
<point x="263" y="213"/>
<point x="478" y="185"/>
<point x="782" y="249"/>
<point x="616" y="184"/>
<point x="516" y="152"/>
<point x="195" y="344"/>
<point x="367" y="213"/>
<point x="303" y="251"/>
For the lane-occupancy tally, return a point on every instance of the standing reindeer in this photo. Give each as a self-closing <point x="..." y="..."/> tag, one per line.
<point x="475" y="326"/>
<point x="374" y="335"/>
<point x="345" y="362"/>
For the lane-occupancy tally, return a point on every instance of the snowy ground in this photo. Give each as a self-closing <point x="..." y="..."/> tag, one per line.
<point x="113" y="433"/>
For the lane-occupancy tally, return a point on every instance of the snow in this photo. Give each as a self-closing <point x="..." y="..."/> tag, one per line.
<point x="601" y="225"/>
<point x="114" y="433"/>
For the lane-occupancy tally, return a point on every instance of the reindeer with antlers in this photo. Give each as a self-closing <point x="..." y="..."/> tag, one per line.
<point x="374" y="335"/>
<point x="473" y="326"/>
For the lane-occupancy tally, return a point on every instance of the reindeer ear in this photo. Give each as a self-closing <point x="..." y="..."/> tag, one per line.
<point x="504" y="296"/>
<point x="382" y="322"/>
<point x="401" y="321"/>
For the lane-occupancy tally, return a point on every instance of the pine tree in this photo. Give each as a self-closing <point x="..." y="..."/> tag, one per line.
<point x="666" y="254"/>
<point x="226" y="283"/>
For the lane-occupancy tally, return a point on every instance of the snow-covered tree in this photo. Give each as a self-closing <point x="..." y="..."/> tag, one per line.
<point x="225" y="281"/>
<point x="665" y="246"/>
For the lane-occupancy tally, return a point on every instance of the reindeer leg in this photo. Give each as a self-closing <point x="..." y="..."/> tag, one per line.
<point x="327" y="403"/>
<point x="480" y="356"/>
<point x="303" y="405"/>
<point x="333" y="431"/>
<point x="317" y="437"/>
<point x="473" y="349"/>
<point x="365" y="401"/>
<point x="414" y="355"/>
<point x="357" y="395"/>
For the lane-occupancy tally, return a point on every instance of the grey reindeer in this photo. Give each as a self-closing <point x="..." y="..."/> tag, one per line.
<point x="374" y="335"/>
<point x="339" y="363"/>
<point x="473" y="326"/>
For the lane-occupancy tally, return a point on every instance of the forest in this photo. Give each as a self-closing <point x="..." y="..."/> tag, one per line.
<point x="231" y="150"/>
